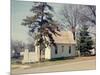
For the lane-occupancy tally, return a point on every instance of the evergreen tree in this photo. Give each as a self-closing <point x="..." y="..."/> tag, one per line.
<point x="85" y="43"/>
<point x="43" y="24"/>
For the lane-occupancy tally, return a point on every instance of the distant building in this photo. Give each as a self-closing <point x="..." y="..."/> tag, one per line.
<point x="65" y="48"/>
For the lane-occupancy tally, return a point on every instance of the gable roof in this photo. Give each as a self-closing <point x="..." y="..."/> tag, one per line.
<point x="65" y="37"/>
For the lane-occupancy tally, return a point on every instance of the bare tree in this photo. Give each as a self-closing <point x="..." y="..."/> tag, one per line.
<point x="88" y="17"/>
<point x="31" y="46"/>
<point x="17" y="47"/>
<point x="92" y="14"/>
<point x="70" y="12"/>
<point x="77" y="15"/>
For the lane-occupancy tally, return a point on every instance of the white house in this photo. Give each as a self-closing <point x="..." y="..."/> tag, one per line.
<point x="65" y="48"/>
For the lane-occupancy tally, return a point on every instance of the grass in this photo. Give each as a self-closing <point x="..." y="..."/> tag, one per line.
<point x="53" y="62"/>
<point x="39" y="64"/>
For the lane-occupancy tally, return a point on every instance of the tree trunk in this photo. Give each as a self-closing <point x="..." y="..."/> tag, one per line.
<point x="42" y="50"/>
<point x="74" y="35"/>
<point x="73" y="31"/>
<point x="40" y="56"/>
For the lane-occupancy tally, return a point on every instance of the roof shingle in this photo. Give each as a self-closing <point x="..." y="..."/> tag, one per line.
<point x="65" y="37"/>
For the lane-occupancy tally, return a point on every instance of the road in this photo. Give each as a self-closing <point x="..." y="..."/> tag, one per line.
<point x="74" y="66"/>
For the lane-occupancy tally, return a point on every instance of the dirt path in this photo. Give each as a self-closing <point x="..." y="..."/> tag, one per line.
<point x="72" y="66"/>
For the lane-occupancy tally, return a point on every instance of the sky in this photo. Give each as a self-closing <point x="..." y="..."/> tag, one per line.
<point x="19" y="11"/>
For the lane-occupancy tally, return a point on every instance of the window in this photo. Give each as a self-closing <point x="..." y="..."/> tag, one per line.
<point x="56" y="50"/>
<point x="69" y="49"/>
<point x="62" y="48"/>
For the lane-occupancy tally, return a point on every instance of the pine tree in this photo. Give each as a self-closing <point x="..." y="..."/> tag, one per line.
<point x="43" y="24"/>
<point x="85" y="42"/>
